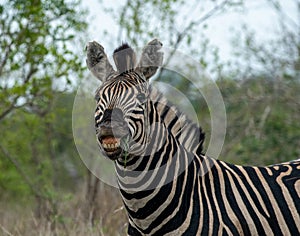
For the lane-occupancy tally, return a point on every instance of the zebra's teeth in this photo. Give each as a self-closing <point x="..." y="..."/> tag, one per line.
<point x="111" y="144"/>
<point x="117" y="144"/>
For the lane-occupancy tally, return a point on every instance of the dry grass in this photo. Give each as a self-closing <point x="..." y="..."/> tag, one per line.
<point x="73" y="218"/>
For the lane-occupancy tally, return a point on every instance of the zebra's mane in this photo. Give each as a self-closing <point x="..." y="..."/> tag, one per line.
<point x="124" y="58"/>
<point x="189" y="135"/>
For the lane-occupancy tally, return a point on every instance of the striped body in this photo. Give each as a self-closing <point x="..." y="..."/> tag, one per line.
<point x="168" y="186"/>
<point x="228" y="200"/>
<point x="208" y="197"/>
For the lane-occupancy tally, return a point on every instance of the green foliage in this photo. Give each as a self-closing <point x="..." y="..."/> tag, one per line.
<point x="263" y="125"/>
<point x="38" y="59"/>
<point x="36" y="50"/>
<point x="43" y="147"/>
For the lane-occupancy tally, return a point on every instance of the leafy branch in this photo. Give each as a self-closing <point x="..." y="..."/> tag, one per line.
<point x="20" y="170"/>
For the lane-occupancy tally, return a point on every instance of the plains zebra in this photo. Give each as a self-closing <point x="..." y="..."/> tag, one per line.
<point x="168" y="186"/>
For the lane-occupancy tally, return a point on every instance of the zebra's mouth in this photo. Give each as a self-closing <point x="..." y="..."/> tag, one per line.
<point x="111" y="146"/>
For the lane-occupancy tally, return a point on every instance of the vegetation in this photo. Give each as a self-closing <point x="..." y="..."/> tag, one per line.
<point x="45" y="189"/>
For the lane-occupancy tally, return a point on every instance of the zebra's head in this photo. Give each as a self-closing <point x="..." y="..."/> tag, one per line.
<point x="122" y="98"/>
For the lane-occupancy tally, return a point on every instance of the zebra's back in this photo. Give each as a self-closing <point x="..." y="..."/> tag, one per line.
<point x="246" y="200"/>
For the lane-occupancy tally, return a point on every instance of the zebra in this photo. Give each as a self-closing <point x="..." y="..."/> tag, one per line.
<point x="167" y="183"/>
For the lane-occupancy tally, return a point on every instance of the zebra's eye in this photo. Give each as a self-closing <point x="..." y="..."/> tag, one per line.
<point x="141" y="97"/>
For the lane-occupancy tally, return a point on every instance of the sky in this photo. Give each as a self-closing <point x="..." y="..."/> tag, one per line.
<point x="259" y="17"/>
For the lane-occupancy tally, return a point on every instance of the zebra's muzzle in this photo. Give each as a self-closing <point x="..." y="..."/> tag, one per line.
<point x="111" y="141"/>
<point x="111" y="146"/>
<point x="111" y="131"/>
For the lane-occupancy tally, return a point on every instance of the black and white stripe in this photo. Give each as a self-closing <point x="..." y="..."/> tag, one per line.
<point x="169" y="187"/>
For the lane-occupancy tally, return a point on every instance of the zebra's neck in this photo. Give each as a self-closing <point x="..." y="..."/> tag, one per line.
<point x="168" y="125"/>
<point x="154" y="151"/>
<point x="150" y="181"/>
<point x="188" y="134"/>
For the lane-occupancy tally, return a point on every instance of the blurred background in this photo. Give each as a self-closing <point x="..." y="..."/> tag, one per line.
<point x="251" y="49"/>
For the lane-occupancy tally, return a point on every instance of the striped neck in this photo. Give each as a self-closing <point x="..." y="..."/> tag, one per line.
<point x="162" y="146"/>
<point x="141" y="155"/>
<point x="152" y="179"/>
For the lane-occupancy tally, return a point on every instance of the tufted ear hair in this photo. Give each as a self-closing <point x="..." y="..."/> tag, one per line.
<point x="151" y="58"/>
<point x="97" y="61"/>
<point x="124" y="58"/>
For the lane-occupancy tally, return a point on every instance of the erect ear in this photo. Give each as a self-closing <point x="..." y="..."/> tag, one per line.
<point x="97" y="61"/>
<point x="151" y="58"/>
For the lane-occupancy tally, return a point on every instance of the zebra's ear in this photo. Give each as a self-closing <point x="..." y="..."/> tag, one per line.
<point x="97" y="61"/>
<point x="151" y="58"/>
